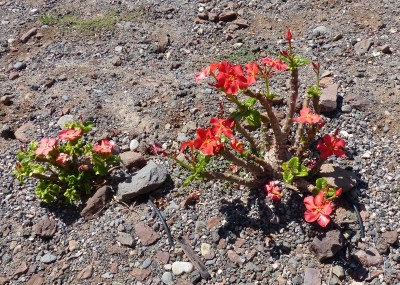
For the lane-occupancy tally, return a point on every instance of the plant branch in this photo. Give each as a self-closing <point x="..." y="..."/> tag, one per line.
<point x="253" y="168"/>
<point x="294" y="94"/>
<point x="233" y="178"/>
<point x="247" y="135"/>
<point x="316" y="167"/>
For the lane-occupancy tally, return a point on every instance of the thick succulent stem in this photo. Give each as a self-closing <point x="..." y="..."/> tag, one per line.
<point x="316" y="167"/>
<point x="255" y="169"/>
<point x="300" y="128"/>
<point x="247" y="135"/>
<point x="294" y="94"/>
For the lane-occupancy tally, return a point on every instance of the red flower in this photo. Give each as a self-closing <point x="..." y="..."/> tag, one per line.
<point x="70" y="135"/>
<point x="289" y="35"/>
<point x="63" y="158"/>
<point x="252" y="69"/>
<point x="276" y="64"/>
<point x="306" y="116"/>
<point x="236" y="145"/>
<point x="222" y="126"/>
<point x="207" y="71"/>
<point x="317" y="209"/>
<point x="207" y="142"/>
<point x="331" y="145"/>
<point x="187" y="144"/>
<point x="273" y="191"/>
<point x="105" y="147"/>
<point x="231" y="78"/>
<point x="46" y="146"/>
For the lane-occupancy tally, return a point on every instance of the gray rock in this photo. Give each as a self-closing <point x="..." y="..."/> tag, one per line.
<point x="328" y="99"/>
<point x="6" y="258"/>
<point x="64" y="120"/>
<point x="19" y="65"/>
<point x="107" y="275"/>
<point x="320" y="31"/>
<point x="338" y="177"/>
<point x="143" y="181"/>
<point x="362" y="46"/>
<point x="327" y="245"/>
<point x="312" y="276"/>
<point x="146" y="263"/>
<point x="48" y="258"/>
<point x="167" y="278"/>
<point x="369" y="257"/>
<point x="126" y="239"/>
<point x="346" y="108"/>
<point x="97" y="202"/>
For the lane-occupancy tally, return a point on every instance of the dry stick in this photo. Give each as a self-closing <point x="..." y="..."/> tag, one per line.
<point x="253" y="168"/>
<point x="247" y="135"/>
<point x="45" y="177"/>
<point x="251" y="183"/>
<point x="294" y="94"/>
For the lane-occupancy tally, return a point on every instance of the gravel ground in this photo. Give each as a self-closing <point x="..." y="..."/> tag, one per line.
<point x="132" y="73"/>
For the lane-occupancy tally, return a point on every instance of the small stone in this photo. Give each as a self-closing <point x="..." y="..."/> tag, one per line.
<point x="64" y="120"/>
<point x="213" y="222"/>
<point x="227" y="16"/>
<point x="72" y="245"/>
<point x="107" y="275"/>
<point x="391" y="237"/>
<point x="3" y="280"/>
<point x="366" y="154"/>
<point x="118" y="49"/>
<point x="338" y="271"/>
<point x="36" y="279"/>
<point x="6" y="99"/>
<point x="132" y="159"/>
<point x="166" y="278"/>
<point x="146" y="235"/>
<point x="241" y="23"/>
<point x="320" y="31"/>
<point x="146" y="263"/>
<point x="25" y="37"/>
<point x="97" y="202"/>
<point x="234" y="257"/>
<point x="162" y="257"/>
<point x="385" y="49"/>
<point x="48" y="258"/>
<point x="327" y="245"/>
<point x="133" y="145"/>
<point x="312" y="276"/>
<point x="385" y="128"/>
<point x="362" y="46"/>
<point x="369" y="257"/>
<point x="6" y="258"/>
<point x="346" y="108"/>
<point x="116" y="61"/>
<point x="338" y="177"/>
<point x="46" y="228"/>
<point x="22" y="269"/>
<point x="49" y="83"/>
<point x="85" y="273"/>
<point x="180" y="267"/>
<point x="19" y="65"/>
<point x="356" y="101"/>
<point x="25" y="133"/>
<point x="140" y="274"/>
<point x="126" y="239"/>
<point x="13" y="75"/>
<point x="205" y="249"/>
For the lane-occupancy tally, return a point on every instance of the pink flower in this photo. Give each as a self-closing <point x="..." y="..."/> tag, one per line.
<point x="63" y="158"/>
<point x="276" y="64"/>
<point x="306" y="116"/>
<point x="105" y="147"/>
<point x="70" y="135"/>
<point x="318" y="209"/>
<point x="207" y="71"/>
<point x="46" y="146"/>
<point x="331" y="145"/>
<point x="273" y="191"/>
<point x="222" y="126"/>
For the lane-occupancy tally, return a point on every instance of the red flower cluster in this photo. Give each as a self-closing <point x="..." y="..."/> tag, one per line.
<point x="273" y="191"/>
<point x="276" y="64"/>
<point x="105" y="147"/>
<point x="331" y="145"/>
<point x="318" y="209"/>
<point x="211" y="140"/>
<point x="47" y="145"/>
<point x="70" y="135"/>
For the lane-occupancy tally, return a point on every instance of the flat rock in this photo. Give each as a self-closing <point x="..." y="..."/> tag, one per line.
<point x="126" y="239"/>
<point x="241" y="23"/>
<point x="320" y="31"/>
<point x="48" y="258"/>
<point x="22" y="269"/>
<point x="227" y="16"/>
<point x="140" y="274"/>
<point x="234" y="257"/>
<point x="391" y="237"/>
<point x="180" y="267"/>
<point x="327" y="245"/>
<point x="97" y="202"/>
<point x="167" y="278"/>
<point x="64" y="120"/>
<point x="132" y="159"/>
<point x="162" y="257"/>
<point x="26" y="36"/>
<point x="85" y="273"/>
<point x="146" y="235"/>
<point x="362" y="46"/>
<point x="369" y="257"/>
<point x="328" y="99"/>
<point x="46" y="228"/>
<point x="356" y="101"/>
<point x="312" y="276"/>
<point x="36" y="279"/>
<point x="338" y="177"/>
<point x="25" y="133"/>
<point x="143" y="181"/>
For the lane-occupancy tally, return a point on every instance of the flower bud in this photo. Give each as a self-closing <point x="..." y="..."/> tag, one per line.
<point x="289" y="35"/>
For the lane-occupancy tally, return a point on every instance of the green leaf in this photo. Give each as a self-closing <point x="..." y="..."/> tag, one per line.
<point x="313" y="91"/>
<point x="288" y="177"/>
<point x="321" y="183"/>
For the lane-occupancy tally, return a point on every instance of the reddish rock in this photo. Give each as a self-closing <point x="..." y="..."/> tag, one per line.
<point x="312" y="276"/>
<point x="3" y="280"/>
<point x="46" y="228"/>
<point x="146" y="234"/>
<point x="356" y="101"/>
<point x="22" y="269"/>
<point x="369" y="257"/>
<point x="13" y="75"/>
<point x="85" y="273"/>
<point x="114" y="267"/>
<point x="213" y="222"/>
<point x="97" y="202"/>
<point x="25" y="133"/>
<point x="391" y="237"/>
<point x="162" y="257"/>
<point x="36" y="279"/>
<point x="328" y="99"/>
<point x="140" y="274"/>
<point x="227" y="16"/>
<point x="25" y="37"/>
<point x="132" y="159"/>
<point x="327" y="245"/>
<point x="234" y="257"/>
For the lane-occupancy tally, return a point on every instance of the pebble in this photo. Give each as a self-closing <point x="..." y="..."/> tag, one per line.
<point x="167" y="278"/>
<point x="346" y="108"/>
<point x="338" y="271"/>
<point x="126" y="239"/>
<point x="320" y="31"/>
<point x="107" y="275"/>
<point x="19" y="65"/>
<point x="180" y="267"/>
<point x="134" y="145"/>
<point x="146" y="263"/>
<point x="48" y="258"/>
